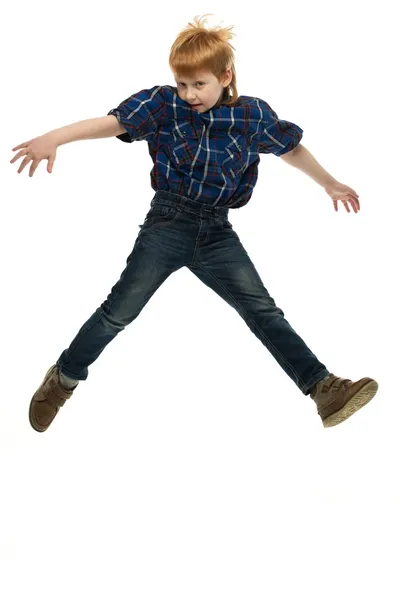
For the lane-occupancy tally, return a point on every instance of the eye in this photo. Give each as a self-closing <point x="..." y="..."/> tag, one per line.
<point x="198" y="83"/>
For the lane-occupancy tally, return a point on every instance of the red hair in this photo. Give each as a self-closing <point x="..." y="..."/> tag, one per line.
<point x="197" y="48"/>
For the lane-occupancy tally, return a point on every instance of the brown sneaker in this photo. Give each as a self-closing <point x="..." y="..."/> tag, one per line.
<point x="47" y="400"/>
<point x="337" y="398"/>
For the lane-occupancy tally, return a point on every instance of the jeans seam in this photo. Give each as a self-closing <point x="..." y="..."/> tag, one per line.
<point x="302" y="383"/>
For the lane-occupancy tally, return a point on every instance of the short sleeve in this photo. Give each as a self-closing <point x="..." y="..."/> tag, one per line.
<point x="140" y="114"/>
<point x="276" y="136"/>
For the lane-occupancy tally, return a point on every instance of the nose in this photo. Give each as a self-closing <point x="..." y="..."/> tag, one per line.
<point x="190" y="97"/>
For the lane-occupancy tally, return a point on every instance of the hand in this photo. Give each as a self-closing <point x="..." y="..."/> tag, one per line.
<point x="36" y="150"/>
<point x="340" y="191"/>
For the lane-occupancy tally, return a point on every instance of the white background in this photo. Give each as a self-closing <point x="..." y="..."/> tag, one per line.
<point x="188" y="465"/>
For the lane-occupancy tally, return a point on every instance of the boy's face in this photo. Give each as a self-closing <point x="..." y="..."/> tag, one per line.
<point x="204" y="89"/>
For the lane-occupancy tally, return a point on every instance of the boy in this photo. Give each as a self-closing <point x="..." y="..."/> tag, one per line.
<point x="205" y="146"/>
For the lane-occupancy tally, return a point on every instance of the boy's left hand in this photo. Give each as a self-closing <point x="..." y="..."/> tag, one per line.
<point x="339" y="191"/>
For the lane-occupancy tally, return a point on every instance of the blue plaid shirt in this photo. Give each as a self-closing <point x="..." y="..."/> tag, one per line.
<point x="211" y="156"/>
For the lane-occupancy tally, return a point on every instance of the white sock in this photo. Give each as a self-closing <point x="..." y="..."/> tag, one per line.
<point x="67" y="382"/>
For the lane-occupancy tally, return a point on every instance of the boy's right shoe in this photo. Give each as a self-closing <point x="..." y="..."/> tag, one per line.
<point x="47" y="400"/>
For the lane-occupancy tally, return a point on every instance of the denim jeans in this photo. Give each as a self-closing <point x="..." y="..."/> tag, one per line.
<point x="181" y="232"/>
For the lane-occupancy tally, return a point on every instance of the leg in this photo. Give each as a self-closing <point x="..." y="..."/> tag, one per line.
<point x="228" y="270"/>
<point x="147" y="267"/>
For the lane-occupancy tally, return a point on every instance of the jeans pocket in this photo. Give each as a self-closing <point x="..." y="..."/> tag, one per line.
<point x="223" y="223"/>
<point x="159" y="214"/>
<point x="226" y="224"/>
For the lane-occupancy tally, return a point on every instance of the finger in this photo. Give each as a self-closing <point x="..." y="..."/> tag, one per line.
<point x="353" y="192"/>
<point x="335" y="204"/>
<point x="33" y="167"/>
<point x="24" y="163"/>
<point x="17" y="156"/>
<point x="346" y="205"/>
<point x="20" y="146"/>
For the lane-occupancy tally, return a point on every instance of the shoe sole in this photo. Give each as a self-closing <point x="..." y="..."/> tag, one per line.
<point x="33" y="424"/>
<point x="360" y="399"/>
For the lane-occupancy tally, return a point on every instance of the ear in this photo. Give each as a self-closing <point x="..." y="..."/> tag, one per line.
<point x="228" y="77"/>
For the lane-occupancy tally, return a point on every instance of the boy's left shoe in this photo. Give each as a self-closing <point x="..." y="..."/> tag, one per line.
<point x="337" y="398"/>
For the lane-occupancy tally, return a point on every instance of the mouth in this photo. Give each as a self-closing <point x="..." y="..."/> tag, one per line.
<point x="194" y="105"/>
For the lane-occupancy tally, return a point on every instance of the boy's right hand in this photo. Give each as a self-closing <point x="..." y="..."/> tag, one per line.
<point x="36" y="150"/>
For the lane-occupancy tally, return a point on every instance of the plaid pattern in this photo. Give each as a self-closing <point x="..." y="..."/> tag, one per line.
<point x="211" y="156"/>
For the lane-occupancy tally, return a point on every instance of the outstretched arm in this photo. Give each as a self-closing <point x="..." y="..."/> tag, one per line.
<point x="302" y="159"/>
